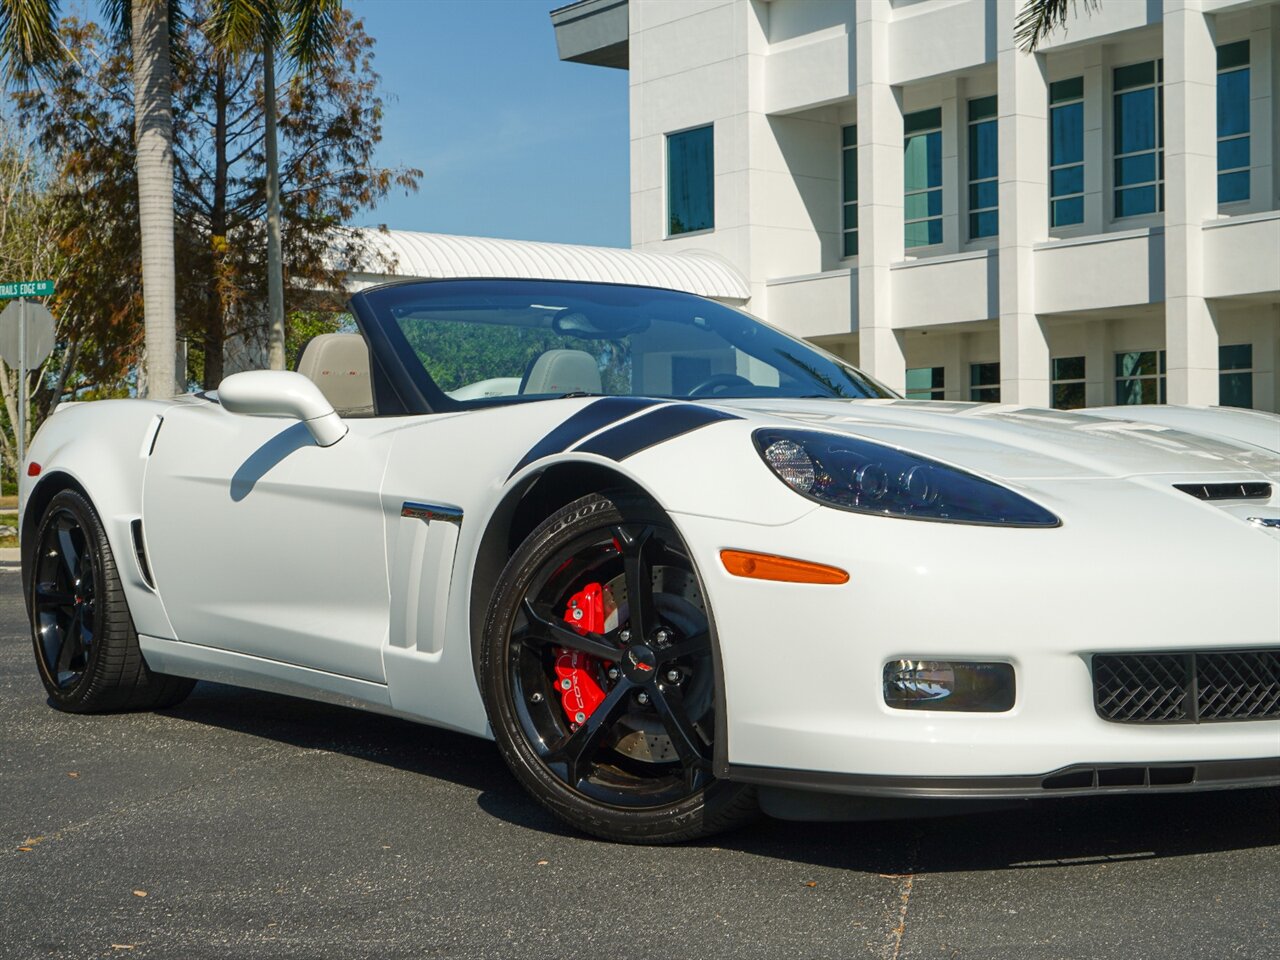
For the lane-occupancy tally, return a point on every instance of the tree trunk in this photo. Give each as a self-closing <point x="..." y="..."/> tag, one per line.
<point x="275" y="272"/>
<point x="153" y="131"/>
<point x="215" y="331"/>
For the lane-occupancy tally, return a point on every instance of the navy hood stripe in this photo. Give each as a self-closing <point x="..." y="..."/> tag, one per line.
<point x="588" y="420"/>
<point x="658" y="426"/>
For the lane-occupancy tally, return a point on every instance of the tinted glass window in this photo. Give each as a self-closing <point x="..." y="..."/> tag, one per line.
<point x="690" y="181"/>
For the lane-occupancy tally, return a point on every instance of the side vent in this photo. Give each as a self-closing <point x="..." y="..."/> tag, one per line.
<point x="1226" y="491"/>
<point x="140" y="551"/>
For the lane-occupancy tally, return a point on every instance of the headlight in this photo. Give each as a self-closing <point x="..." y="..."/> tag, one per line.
<point x="866" y="477"/>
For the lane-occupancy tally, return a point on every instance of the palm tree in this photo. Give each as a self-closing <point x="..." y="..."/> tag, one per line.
<point x="306" y="30"/>
<point x="29" y="43"/>
<point x="1039" y="18"/>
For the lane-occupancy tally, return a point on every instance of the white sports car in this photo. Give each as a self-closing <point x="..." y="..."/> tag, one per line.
<point x="676" y="563"/>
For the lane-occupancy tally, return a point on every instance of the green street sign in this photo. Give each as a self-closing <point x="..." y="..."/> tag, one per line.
<point x="26" y="288"/>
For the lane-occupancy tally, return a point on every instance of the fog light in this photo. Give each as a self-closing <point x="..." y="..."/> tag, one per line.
<point x="956" y="685"/>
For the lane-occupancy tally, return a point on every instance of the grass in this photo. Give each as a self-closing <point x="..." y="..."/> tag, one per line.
<point x="8" y="519"/>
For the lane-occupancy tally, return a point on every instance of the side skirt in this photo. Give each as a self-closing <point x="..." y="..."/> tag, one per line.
<point x="273" y="676"/>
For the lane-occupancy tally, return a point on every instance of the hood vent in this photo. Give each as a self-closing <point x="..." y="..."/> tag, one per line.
<point x="1226" y="491"/>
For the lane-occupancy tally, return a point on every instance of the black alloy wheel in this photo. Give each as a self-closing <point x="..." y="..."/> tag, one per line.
<point x="66" y="617"/>
<point x="633" y="762"/>
<point x="86" y="647"/>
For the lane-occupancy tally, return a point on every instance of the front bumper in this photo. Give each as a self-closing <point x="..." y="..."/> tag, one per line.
<point x="1126" y="573"/>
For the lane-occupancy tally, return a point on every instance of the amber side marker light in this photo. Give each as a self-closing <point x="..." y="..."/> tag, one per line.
<point x="765" y="566"/>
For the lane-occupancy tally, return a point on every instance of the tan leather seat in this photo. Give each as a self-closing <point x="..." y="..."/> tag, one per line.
<point x="563" y="371"/>
<point x="338" y="363"/>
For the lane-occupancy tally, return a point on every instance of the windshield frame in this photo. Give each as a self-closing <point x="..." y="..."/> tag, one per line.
<point x="402" y="385"/>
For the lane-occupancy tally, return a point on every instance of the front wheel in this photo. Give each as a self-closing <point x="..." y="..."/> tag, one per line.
<point x="85" y="645"/>
<point x="599" y="678"/>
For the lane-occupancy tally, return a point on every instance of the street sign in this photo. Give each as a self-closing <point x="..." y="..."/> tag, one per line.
<point x="26" y="288"/>
<point x="39" y="334"/>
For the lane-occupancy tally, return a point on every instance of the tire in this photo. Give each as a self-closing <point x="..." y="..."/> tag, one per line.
<point x="637" y="766"/>
<point x="85" y="644"/>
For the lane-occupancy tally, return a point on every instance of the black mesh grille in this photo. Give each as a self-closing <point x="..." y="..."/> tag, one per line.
<point x="1187" y="687"/>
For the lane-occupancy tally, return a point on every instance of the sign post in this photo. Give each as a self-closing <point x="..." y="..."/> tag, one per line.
<point x="30" y="351"/>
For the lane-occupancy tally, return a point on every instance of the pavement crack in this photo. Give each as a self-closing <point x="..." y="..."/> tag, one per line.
<point x="906" y="883"/>
<point x="904" y="896"/>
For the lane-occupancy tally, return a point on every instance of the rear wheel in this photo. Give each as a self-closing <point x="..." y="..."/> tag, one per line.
<point x="85" y="644"/>
<point x="599" y="676"/>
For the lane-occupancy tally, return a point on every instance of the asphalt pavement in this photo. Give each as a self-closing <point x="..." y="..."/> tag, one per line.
<point x="246" y="825"/>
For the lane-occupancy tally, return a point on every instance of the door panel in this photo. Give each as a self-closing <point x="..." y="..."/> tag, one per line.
<point x="265" y="544"/>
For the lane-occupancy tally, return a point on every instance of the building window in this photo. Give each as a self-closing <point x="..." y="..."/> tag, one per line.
<point x="691" y="199"/>
<point x="1233" y="122"/>
<point x="1066" y="152"/>
<point x="926" y="383"/>
<point x="849" y="186"/>
<point x="984" y="382"/>
<point x="922" y="163"/>
<point x="1068" y="383"/>
<point x="1140" y="377"/>
<point x="984" y="190"/>
<point x="1138" y="118"/>
<point x="1235" y="377"/>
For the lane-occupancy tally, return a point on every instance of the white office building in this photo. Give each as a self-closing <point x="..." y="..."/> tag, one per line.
<point x="1095" y="223"/>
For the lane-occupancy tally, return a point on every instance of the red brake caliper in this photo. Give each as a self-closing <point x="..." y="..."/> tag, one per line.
<point x="578" y="675"/>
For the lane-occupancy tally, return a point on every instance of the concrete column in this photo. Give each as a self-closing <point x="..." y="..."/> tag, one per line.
<point x="880" y="188"/>
<point x="1024" y="213"/>
<point x="1191" y="197"/>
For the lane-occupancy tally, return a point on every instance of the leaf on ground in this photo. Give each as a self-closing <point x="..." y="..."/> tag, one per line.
<point x="811" y="883"/>
<point x="543" y="863"/>
<point x="73" y="775"/>
<point x="123" y="946"/>
<point x="25" y="849"/>
<point x="139" y="893"/>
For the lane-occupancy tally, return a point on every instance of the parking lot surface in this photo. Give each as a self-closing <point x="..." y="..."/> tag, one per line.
<point x="243" y="824"/>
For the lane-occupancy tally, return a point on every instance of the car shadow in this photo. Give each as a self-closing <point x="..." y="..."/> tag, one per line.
<point x="1055" y="832"/>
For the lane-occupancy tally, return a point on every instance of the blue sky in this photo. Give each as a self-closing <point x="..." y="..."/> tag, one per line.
<point x="511" y="141"/>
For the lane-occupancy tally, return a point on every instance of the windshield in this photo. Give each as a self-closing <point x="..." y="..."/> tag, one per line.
<point x="482" y="342"/>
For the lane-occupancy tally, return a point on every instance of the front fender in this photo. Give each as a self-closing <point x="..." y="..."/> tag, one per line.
<point x="101" y="448"/>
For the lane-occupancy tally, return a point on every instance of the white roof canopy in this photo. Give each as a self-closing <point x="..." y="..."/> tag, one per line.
<point x="437" y="256"/>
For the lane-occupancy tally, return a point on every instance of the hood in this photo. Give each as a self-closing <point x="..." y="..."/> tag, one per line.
<point x="1025" y="443"/>
<point x="1255" y="427"/>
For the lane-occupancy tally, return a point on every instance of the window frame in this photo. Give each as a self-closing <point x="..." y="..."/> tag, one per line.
<point x="847" y="204"/>
<point x="1157" y="151"/>
<point x="981" y="385"/>
<point x="1066" y="101"/>
<point x="1057" y="381"/>
<point x="926" y="131"/>
<point x="937" y="389"/>
<point x="1225" y="371"/>
<point x="971" y="127"/>
<point x="668" y="234"/>
<point x="1245" y="68"/>
<point x="1161" y="376"/>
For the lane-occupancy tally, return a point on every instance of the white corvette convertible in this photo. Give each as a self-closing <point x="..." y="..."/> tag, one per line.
<point x="677" y="564"/>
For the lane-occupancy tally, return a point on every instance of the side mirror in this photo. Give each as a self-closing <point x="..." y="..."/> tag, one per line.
<point x="281" y="393"/>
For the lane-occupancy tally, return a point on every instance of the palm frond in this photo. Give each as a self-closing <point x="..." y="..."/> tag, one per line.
<point x="238" y="27"/>
<point x="313" y="26"/>
<point x="28" y="38"/>
<point x="1039" y="18"/>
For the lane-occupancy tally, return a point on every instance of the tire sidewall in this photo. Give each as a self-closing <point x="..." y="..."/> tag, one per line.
<point x="74" y="697"/>
<point x="680" y="820"/>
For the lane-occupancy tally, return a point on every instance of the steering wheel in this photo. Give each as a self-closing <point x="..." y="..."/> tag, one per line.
<point x="713" y="384"/>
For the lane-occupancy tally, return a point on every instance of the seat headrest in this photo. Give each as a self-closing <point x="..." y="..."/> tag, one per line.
<point x="563" y="371"/>
<point x="338" y="363"/>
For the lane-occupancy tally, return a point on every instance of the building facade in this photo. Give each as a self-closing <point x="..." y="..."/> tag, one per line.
<point x="1092" y="224"/>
